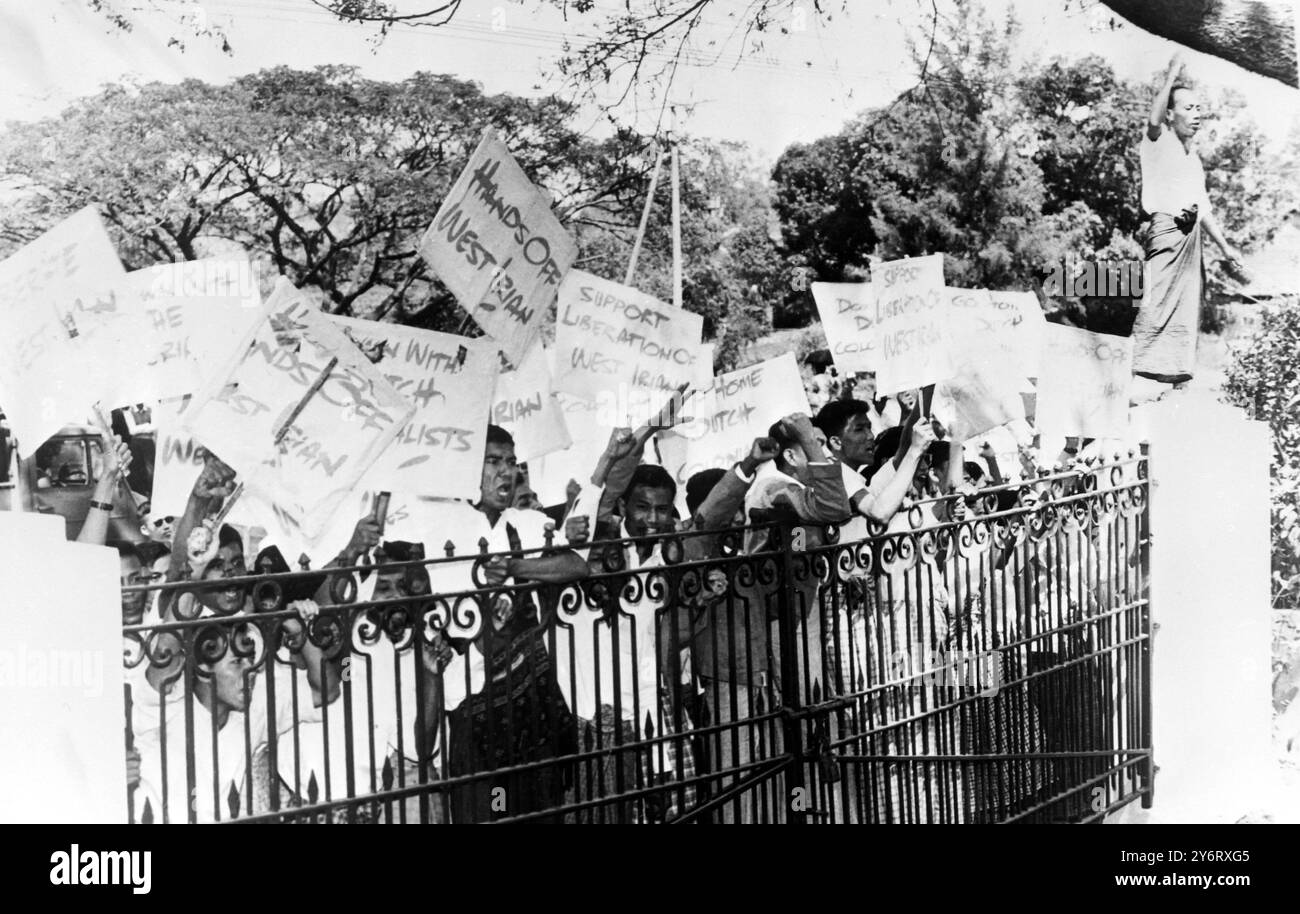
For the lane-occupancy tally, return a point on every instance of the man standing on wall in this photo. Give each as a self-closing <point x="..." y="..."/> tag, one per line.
<point x="1175" y="208"/>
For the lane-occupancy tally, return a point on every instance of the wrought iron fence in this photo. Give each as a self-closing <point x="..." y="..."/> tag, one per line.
<point x="981" y="662"/>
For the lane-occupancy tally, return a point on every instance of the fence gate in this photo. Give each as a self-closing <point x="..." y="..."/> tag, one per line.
<point x="990" y="669"/>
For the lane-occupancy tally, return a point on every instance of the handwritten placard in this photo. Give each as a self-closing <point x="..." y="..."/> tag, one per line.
<point x="59" y="296"/>
<point x="1020" y="315"/>
<point x="208" y="277"/>
<point x="848" y="311"/>
<point x="911" y="327"/>
<point x="173" y="344"/>
<point x="299" y="412"/>
<point x="1084" y="386"/>
<point x="612" y="342"/>
<point x="725" y="419"/>
<point x="175" y="325"/>
<point x="178" y="459"/>
<point x="984" y="389"/>
<point x="449" y="381"/>
<point x="525" y="405"/>
<point x="497" y="246"/>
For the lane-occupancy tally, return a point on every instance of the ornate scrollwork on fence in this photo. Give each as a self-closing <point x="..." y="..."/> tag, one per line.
<point x="968" y="579"/>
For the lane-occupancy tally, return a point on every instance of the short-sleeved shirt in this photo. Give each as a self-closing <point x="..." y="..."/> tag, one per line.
<point x="211" y="785"/>
<point x="856" y="527"/>
<point x="464" y="526"/>
<point x="593" y="653"/>
<point x="1173" y="178"/>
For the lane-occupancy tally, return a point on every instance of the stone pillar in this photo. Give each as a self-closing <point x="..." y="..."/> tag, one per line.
<point x="1209" y="576"/>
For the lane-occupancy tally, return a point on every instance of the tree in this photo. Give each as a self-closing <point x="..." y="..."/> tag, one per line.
<point x="1084" y="122"/>
<point x="1009" y="173"/>
<point x="731" y="267"/>
<point x="328" y="177"/>
<point x="824" y="218"/>
<point x="939" y="169"/>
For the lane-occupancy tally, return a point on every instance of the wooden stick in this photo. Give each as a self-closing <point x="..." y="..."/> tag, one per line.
<point x="306" y="397"/>
<point x="645" y="218"/>
<point x="677" y="231"/>
<point x="225" y="508"/>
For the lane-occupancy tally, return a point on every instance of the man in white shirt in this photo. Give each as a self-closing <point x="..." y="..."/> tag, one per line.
<point x="1175" y="208"/>
<point x="500" y="686"/>
<point x="620" y="653"/>
<point x="847" y="426"/>
<point x="219" y="704"/>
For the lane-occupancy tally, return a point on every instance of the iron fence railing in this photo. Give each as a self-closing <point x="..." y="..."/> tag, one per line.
<point x="985" y="665"/>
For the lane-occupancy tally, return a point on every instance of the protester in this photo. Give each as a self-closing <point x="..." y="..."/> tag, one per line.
<point x="504" y="673"/>
<point x="847" y="427"/>
<point x="220" y="700"/>
<point x="115" y="463"/>
<point x="1175" y="210"/>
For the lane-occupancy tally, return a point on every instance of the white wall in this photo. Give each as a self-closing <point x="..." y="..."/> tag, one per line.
<point x="1209" y="576"/>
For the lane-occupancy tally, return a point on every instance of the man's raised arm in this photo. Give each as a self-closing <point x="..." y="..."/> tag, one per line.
<point x="1160" y="103"/>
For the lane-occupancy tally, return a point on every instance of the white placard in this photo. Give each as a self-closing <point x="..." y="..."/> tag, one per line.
<point x="58" y="298"/>
<point x="498" y="247"/>
<point x="847" y="311"/>
<point x="725" y="419"/>
<point x="336" y="422"/>
<point x="1084" y="387"/>
<point x="911" y="324"/>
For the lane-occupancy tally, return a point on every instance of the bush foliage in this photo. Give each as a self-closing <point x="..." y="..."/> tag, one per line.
<point x="1264" y="379"/>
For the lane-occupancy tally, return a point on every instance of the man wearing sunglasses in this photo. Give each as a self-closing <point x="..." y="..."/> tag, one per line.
<point x="157" y="529"/>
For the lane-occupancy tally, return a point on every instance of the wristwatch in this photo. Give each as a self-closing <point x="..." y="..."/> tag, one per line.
<point x="101" y="505"/>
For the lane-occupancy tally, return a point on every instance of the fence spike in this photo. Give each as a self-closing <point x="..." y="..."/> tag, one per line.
<point x="232" y="800"/>
<point x="386" y="776"/>
<point x="146" y="817"/>
<point x="313" y="789"/>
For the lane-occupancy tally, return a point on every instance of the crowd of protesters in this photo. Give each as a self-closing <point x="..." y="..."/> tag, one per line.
<point x="489" y="703"/>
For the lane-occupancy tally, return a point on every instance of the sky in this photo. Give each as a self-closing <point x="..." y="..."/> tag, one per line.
<point x="801" y="86"/>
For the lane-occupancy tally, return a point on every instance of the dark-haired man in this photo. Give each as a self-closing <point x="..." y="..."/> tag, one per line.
<point x="847" y="426"/>
<point x="220" y="749"/>
<point x="626" y="654"/>
<point x="1175" y="208"/>
<point x="505" y="706"/>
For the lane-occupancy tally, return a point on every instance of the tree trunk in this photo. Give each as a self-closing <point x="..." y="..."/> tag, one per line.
<point x="1259" y="37"/>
